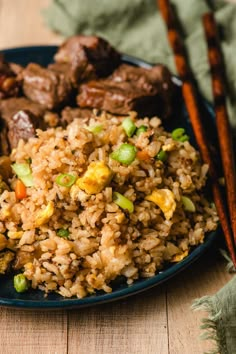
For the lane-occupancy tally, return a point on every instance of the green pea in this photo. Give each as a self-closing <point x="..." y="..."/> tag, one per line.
<point x="20" y="283"/>
<point x="63" y="233"/>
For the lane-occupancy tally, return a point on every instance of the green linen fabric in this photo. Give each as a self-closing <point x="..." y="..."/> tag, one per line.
<point x="135" y="27"/>
<point x="220" y="326"/>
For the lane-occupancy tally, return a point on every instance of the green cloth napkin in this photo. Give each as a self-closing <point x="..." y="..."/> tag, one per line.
<point x="135" y="27"/>
<point x="220" y="326"/>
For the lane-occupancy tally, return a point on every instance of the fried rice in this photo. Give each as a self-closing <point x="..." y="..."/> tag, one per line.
<point x="104" y="240"/>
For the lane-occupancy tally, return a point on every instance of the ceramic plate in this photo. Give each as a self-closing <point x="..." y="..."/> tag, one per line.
<point x="35" y="298"/>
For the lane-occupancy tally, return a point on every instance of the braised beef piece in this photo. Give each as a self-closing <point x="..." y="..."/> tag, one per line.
<point x="11" y="106"/>
<point x="9" y="87"/>
<point x="147" y="91"/>
<point x="69" y="114"/>
<point x="4" y="144"/>
<point x="89" y="57"/>
<point x="47" y="87"/>
<point x="20" y="118"/>
<point x="22" y="125"/>
<point x="67" y="70"/>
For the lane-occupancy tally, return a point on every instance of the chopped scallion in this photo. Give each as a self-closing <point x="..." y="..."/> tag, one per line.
<point x="23" y="172"/>
<point x="141" y="129"/>
<point x="65" y="180"/>
<point x="21" y="169"/>
<point x="129" y="127"/>
<point x="188" y="204"/>
<point x="123" y="202"/>
<point x="125" y="154"/>
<point x="179" y="135"/>
<point x="27" y="180"/>
<point x="162" y="156"/>
<point x="63" y="233"/>
<point x="95" y="129"/>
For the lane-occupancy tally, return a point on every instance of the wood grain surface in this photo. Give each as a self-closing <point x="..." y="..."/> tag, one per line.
<point x="158" y="321"/>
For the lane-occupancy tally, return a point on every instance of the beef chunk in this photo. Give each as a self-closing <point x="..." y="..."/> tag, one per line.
<point x="66" y="70"/>
<point x="20" y="118"/>
<point x="11" y="106"/>
<point x="89" y="57"/>
<point x="9" y="87"/>
<point x="5" y="168"/>
<point x="147" y="91"/>
<point x="22" y="125"/>
<point x="48" y="87"/>
<point x="4" y="144"/>
<point x="69" y="114"/>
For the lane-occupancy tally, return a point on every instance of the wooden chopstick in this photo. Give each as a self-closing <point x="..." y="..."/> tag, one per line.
<point x="189" y="94"/>
<point x="222" y="121"/>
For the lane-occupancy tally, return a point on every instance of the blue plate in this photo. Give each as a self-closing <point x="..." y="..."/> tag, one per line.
<point x="35" y="298"/>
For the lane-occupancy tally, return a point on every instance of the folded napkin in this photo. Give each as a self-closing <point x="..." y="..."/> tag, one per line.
<point x="220" y="326"/>
<point x="136" y="28"/>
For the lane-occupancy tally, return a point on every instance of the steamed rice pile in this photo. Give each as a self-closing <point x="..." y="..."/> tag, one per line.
<point x="104" y="240"/>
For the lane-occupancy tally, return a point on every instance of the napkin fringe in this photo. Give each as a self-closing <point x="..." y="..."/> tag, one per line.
<point x="230" y="266"/>
<point x="210" y="326"/>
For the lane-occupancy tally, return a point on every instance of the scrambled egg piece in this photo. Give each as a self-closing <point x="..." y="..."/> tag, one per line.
<point x="96" y="178"/>
<point x="15" y="235"/>
<point x="179" y="257"/>
<point x="169" y="147"/>
<point x="43" y="216"/>
<point x="164" y="198"/>
<point x="5" y="212"/>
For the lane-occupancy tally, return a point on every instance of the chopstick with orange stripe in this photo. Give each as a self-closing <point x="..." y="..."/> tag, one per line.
<point x="189" y="94"/>
<point x="222" y="120"/>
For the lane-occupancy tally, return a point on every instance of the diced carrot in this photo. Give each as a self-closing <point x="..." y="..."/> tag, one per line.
<point x="143" y="155"/>
<point x="20" y="190"/>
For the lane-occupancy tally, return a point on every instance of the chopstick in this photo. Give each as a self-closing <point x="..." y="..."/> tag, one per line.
<point x="222" y="121"/>
<point x="190" y="98"/>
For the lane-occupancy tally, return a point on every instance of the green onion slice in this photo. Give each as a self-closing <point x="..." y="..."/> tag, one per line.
<point x="95" y="129"/>
<point x="63" y="233"/>
<point x="179" y="135"/>
<point x="65" y="180"/>
<point x="27" y="180"/>
<point x="23" y="172"/>
<point x="129" y="127"/>
<point x="162" y="156"/>
<point x="125" y="154"/>
<point x="188" y="204"/>
<point x="123" y="202"/>
<point x="21" y="169"/>
<point x="141" y="129"/>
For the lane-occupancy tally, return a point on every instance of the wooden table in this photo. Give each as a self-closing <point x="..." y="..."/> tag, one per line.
<point x="158" y="321"/>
